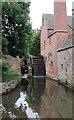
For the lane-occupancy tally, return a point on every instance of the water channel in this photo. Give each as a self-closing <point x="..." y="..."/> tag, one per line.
<point x="38" y="97"/>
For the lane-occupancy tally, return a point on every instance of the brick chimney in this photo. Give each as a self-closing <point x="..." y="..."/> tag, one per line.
<point x="60" y="15"/>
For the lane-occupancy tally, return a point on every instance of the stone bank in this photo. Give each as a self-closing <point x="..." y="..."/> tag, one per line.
<point x="8" y="86"/>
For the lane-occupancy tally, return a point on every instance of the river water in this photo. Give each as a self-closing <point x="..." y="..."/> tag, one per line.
<point x="37" y="97"/>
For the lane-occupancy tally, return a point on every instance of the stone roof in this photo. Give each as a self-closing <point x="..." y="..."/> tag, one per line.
<point x="68" y="44"/>
<point x="49" y="18"/>
<point x="70" y="21"/>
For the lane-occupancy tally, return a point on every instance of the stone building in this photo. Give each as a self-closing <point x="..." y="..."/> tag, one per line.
<point x="65" y="55"/>
<point x="55" y="31"/>
<point x="65" y="62"/>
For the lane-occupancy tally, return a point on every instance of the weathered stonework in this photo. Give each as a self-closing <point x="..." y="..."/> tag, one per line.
<point x="64" y="62"/>
<point x="13" y="62"/>
<point x="8" y="86"/>
<point x="55" y="31"/>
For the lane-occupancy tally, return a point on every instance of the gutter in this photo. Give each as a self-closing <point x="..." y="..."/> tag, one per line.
<point x="66" y="31"/>
<point x="65" y="48"/>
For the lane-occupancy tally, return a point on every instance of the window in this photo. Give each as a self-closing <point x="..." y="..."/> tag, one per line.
<point x="43" y="22"/>
<point x="41" y="46"/>
<point x="61" y="67"/>
<point x="44" y="44"/>
<point x="66" y="71"/>
<point x="46" y="58"/>
<point x="49" y="54"/>
<point x="51" y="63"/>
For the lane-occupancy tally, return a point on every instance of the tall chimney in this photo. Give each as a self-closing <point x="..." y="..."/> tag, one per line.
<point x="60" y="15"/>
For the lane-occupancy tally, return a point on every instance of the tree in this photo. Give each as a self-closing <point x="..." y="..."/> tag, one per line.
<point x="35" y="47"/>
<point x="16" y="28"/>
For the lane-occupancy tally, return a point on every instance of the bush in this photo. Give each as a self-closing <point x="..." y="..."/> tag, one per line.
<point x="7" y="74"/>
<point x="5" y="67"/>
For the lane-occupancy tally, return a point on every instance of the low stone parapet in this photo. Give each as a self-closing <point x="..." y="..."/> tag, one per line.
<point x="8" y="86"/>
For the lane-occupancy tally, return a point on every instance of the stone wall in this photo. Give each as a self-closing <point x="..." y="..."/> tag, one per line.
<point x="64" y="62"/>
<point x="8" y="86"/>
<point x="14" y="62"/>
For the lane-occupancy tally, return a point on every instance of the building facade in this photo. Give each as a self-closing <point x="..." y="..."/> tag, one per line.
<point x="65" y="62"/>
<point x="55" y="31"/>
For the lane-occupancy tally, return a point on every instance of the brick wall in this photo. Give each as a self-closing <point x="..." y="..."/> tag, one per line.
<point x="49" y="45"/>
<point x="60" y="15"/>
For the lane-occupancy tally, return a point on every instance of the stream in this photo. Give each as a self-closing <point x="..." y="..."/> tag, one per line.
<point x="37" y="97"/>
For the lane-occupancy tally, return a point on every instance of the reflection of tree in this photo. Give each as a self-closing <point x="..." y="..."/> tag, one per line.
<point x="36" y="88"/>
<point x="24" y="85"/>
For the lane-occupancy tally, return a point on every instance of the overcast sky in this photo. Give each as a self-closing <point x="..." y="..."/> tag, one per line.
<point x="38" y="7"/>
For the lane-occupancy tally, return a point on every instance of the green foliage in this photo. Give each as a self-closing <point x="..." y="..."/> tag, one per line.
<point x="5" y="45"/>
<point x="16" y="28"/>
<point x="8" y="76"/>
<point x="35" y="48"/>
<point x="5" y="67"/>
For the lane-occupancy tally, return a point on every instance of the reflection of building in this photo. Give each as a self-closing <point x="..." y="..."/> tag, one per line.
<point x="48" y="101"/>
<point x="56" y="31"/>
<point x="55" y="103"/>
<point x="66" y="58"/>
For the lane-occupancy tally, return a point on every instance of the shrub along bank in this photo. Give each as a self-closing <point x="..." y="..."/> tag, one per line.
<point x="7" y="74"/>
<point x="10" y="74"/>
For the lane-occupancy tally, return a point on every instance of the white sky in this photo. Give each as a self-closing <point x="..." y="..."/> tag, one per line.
<point x="38" y="7"/>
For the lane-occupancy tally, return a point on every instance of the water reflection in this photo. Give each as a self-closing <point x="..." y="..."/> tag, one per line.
<point x="56" y="103"/>
<point x="38" y="97"/>
<point x="24" y="105"/>
<point x="33" y="89"/>
<point x="23" y="101"/>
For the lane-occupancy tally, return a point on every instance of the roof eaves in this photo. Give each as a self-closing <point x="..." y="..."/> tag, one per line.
<point x="65" y="48"/>
<point x="57" y="31"/>
<point x="70" y="26"/>
<point x="52" y="34"/>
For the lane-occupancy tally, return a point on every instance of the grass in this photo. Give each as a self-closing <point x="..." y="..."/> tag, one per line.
<point x="8" y="76"/>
